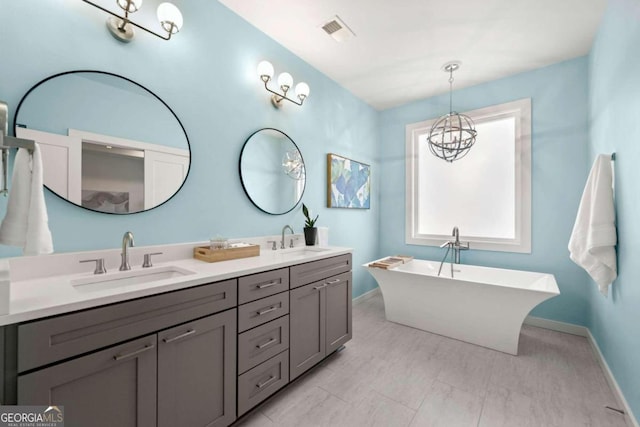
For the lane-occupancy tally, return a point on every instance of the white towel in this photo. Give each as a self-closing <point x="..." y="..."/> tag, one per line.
<point x="26" y="222"/>
<point x="593" y="240"/>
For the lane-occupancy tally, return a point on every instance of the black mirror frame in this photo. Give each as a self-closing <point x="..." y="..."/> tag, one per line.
<point x="242" y="180"/>
<point x="15" y="122"/>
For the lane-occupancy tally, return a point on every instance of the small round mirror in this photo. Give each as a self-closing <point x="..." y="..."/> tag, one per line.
<point x="272" y="171"/>
<point x="108" y="144"/>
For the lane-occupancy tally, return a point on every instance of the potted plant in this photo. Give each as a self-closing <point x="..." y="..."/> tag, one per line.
<point x="310" y="231"/>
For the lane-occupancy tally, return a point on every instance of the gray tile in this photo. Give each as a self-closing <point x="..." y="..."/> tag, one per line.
<point x="465" y="366"/>
<point x="375" y="410"/>
<point x="256" y="419"/>
<point x="505" y="408"/>
<point x="448" y="406"/>
<point x="314" y="407"/>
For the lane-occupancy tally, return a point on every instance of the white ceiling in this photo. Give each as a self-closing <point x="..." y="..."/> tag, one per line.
<point x="400" y="46"/>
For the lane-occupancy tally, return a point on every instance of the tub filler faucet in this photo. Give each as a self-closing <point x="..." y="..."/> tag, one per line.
<point x="457" y="246"/>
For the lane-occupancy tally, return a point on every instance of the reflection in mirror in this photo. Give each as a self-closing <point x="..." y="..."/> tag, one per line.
<point x="108" y="144"/>
<point x="272" y="171"/>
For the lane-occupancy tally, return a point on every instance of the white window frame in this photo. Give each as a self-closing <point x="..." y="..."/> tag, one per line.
<point x="521" y="243"/>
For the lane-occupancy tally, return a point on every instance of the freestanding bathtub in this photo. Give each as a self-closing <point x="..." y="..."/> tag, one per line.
<point x="480" y="305"/>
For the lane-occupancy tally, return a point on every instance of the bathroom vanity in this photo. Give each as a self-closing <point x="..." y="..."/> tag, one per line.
<point x="193" y="350"/>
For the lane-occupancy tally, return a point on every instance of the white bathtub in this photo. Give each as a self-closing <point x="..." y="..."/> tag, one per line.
<point x="480" y="305"/>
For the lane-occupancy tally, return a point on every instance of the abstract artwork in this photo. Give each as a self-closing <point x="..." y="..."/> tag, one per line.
<point x="348" y="183"/>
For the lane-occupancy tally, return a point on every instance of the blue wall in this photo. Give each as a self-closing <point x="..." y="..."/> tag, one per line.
<point x="559" y="166"/>
<point x="614" y="114"/>
<point x="207" y="75"/>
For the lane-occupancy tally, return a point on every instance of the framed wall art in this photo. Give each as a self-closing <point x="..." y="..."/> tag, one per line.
<point x="348" y="183"/>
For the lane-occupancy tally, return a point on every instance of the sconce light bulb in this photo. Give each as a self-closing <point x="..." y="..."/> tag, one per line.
<point x="265" y="71"/>
<point x="170" y="17"/>
<point x="285" y="81"/>
<point x="130" y="5"/>
<point x="302" y="91"/>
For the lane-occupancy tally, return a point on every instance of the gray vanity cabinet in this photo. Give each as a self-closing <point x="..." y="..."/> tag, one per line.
<point x="112" y="387"/>
<point x="196" y="373"/>
<point x="338" y="315"/>
<point x="320" y="321"/>
<point x="307" y="328"/>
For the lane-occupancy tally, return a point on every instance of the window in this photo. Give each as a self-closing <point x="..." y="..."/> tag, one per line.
<point x="486" y="194"/>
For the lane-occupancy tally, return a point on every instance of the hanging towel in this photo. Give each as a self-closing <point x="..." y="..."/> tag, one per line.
<point x="26" y="222"/>
<point x="593" y="240"/>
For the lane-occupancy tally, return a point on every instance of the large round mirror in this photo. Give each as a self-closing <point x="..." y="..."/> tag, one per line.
<point x="272" y="171"/>
<point x="108" y="144"/>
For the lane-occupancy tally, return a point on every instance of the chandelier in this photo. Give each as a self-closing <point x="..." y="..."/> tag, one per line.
<point x="293" y="165"/>
<point x="452" y="135"/>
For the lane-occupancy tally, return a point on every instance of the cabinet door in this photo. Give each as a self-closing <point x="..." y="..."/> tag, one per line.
<point x="338" y="292"/>
<point x="307" y="327"/>
<point x="197" y="373"/>
<point x="113" y="387"/>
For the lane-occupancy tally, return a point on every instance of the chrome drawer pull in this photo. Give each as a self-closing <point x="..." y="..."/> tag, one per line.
<point x="333" y="281"/>
<point x="320" y="287"/>
<point x="271" y="341"/>
<point x="271" y="378"/>
<point x="133" y="353"/>
<point x="268" y="310"/>
<point x="176" y="338"/>
<point x="267" y="285"/>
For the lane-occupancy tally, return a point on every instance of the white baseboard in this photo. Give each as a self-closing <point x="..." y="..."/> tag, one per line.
<point x="585" y="332"/>
<point x="370" y="294"/>
<point x="631" y="419"/>
<point x="567" y="328"/>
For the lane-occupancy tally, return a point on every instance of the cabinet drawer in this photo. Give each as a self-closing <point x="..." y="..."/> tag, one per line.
<point x="49" y="340"/>
<point x="256" y="286"/>
<point x="262" y="343"/>
<point x="258" y="312"/>
<point x="317" y="270"/>
<point x="262" y="381"/>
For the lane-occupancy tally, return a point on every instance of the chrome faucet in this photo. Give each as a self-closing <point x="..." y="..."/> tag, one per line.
<point x="283" y="230"/>
<point x="457" y="246"/>
<point x="127" y="242"/>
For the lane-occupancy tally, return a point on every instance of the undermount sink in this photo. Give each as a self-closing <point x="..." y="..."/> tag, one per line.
<point x="128" y="278"/>
<point x="303" y="251"/>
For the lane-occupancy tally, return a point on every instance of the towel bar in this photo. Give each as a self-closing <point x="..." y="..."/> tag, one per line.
<point x="7" y="142"/>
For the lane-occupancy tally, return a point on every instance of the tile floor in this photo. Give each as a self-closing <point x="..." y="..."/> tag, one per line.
<point x="393" y="375"/>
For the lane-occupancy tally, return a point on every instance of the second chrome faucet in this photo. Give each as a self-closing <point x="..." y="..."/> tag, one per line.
<point x="282" y="246"/>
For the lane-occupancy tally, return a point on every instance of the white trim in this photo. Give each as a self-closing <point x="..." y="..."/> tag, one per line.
<point x="582" y="331"/>
<point x="611" y="380"/>
<point x="567" y="328"/>
<point x="367" y="295"/>
<point x="521" y="110"/>
<point x="97" y="138"/>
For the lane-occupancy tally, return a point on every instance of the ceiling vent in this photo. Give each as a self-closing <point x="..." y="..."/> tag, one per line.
<point x="337" y="29"/>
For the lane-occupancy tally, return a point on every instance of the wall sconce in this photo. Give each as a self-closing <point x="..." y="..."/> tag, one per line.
<point x="285" y="81"/>
<point x="121" y="26"/>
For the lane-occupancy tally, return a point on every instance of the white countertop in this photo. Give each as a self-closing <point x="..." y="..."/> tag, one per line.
<point x="34" y="296"/>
